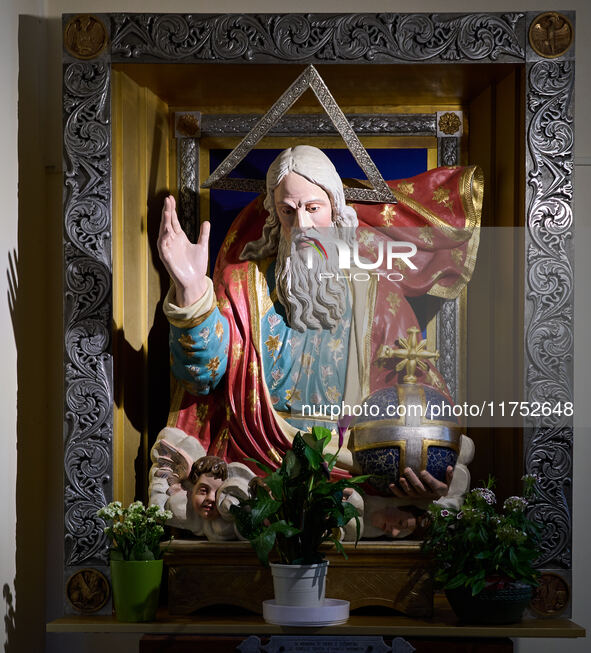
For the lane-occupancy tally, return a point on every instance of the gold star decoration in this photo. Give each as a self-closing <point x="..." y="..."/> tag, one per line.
<point x="219" y="330"/>
<point x="394" y="300"/>
<point x="388" y="213"/>
<point x="237" y="277"/>
<point x="186" y="342"/>
<point x="273" y="344"/>
<point x="426" y="235"/>
<point x="236" y="351"/>
<point x="406" y="187"/>
<point x="441" y="196"/>
<point x="291" y="394"/>
<point x="213" y="365"/>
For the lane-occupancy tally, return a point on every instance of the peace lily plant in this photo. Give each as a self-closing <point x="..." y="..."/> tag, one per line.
<point x="293" y="510"/>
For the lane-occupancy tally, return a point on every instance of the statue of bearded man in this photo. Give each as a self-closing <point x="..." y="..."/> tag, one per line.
<point x="282" y="328"/>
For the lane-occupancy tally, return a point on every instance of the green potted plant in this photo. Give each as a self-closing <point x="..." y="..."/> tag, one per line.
<point x="484" y="559"/>
<point x="292" y="511"/>
<point x="136" y="558"/>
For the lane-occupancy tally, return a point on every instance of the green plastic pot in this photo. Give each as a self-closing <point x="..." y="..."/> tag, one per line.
<point x="136" y="588"/>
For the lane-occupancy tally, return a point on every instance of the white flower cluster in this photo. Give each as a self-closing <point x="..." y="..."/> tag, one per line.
<point x="515" y="504"/>
<point x="486" y="494"/>
<point x="113" y="511"/>
<point x="511" y="535"/>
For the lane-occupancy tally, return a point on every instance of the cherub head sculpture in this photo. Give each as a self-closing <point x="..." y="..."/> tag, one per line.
<point x="206" y="476"/>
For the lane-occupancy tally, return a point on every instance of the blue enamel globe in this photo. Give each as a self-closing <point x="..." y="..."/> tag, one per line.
<point x="406" y="425"/>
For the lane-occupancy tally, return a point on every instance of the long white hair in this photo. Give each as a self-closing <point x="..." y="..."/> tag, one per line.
<point x="313" y="298"/>
<point x="312" y="164"/>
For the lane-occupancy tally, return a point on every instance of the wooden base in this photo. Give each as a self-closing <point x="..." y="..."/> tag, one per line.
<point x="389" y="574"/>
<point x="223" y="644"/>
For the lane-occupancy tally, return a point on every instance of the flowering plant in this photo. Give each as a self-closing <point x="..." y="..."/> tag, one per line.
<point x="296" y="508"/>
<point x="135" y="532"/>
<point x="476" y="548"/>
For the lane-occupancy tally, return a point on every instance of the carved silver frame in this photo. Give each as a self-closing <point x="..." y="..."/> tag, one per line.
<point x="364" y="38"/>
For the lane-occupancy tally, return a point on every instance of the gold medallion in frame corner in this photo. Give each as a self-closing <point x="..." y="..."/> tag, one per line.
<point x="85" y="36"/>
<point x="88" y="590"/>
<point x="551" y="34"/>
<point x="552" y="596"/>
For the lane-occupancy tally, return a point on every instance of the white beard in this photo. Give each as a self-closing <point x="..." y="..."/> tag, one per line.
<point x="311" y="300"/>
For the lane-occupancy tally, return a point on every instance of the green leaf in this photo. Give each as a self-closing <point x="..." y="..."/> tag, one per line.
<point x="350" y="511"/>
<point x="339" y="547"/>
<point x="478" y="586"/>
<point x="457" y="581"/>
<point x="314" y="458"/>
<point x="264" y="507"/>
<point x="243" y="519"/>
<point x="263" y="545"/>
<point x="284" y="528"/>
<point x="291" y="465"/>
<point x="322" y="435"/>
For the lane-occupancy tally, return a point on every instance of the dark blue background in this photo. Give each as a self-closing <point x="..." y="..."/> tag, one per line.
<point x="226" y="204"/>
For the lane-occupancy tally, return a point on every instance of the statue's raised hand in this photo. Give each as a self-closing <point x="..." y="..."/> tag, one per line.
<point x="185" y="261"/>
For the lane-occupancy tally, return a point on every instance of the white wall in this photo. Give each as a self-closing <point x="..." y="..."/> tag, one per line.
<point x="8" y="240"/>
<point x="10" y="312"/>
<point x="37" y="234"/>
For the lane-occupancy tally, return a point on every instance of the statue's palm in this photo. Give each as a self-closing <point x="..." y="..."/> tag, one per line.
<point x="186" y="262"/>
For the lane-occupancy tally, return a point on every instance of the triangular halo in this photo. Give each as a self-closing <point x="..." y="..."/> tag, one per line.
<point x="310" y="78"/>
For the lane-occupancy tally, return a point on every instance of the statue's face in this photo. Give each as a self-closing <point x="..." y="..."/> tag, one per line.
<point x="300" y="203"/>
<point x="203" y="496"/>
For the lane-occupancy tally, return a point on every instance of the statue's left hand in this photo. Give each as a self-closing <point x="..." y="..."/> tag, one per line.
<point x="423" y="486"/>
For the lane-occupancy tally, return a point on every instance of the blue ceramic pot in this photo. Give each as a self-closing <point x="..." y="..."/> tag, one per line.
<point x="491" y="606"/>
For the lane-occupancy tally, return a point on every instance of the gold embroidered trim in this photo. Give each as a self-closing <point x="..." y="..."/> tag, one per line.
<point x="371" y="308"/>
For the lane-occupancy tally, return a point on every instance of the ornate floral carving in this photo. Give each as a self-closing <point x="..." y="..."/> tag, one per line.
<point x="87" y="311"/>
<point x="318" y="38"/>
<point x="379" y="38"/>
<point x="448" y="151"/>
<point x="414" y="123"/>
<point x="447" y="337"/>
<point x="549" y="297"/>
<point x="188" y="192"/>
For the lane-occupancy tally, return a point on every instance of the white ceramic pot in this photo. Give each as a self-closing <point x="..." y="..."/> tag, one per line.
<point x="299" y="585"/>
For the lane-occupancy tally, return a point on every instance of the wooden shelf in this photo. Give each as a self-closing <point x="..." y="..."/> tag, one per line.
<point x="443" y="624"/>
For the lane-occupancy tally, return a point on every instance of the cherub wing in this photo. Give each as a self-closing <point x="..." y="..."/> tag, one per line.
<point x="172" y="456"/>
<point x="172" y="463"/>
